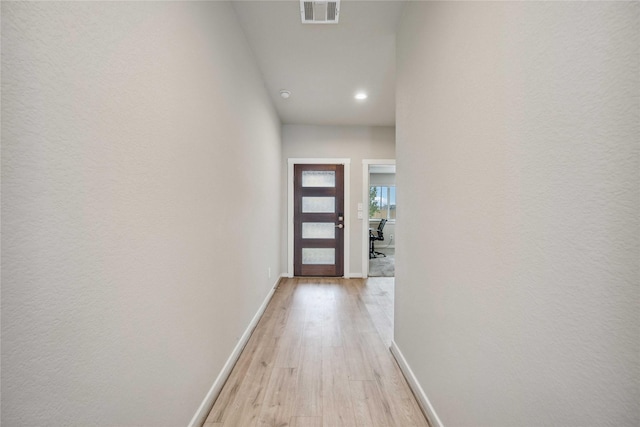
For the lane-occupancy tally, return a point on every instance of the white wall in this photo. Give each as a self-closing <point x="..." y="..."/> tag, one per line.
<point x="353" y="142"/>
<point x="517" y="283"/>
<point x="384" y="179"/>
<point x="140" y="160"/>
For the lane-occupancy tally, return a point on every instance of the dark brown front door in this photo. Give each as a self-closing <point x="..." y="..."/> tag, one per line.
<point x="318" y="220"/>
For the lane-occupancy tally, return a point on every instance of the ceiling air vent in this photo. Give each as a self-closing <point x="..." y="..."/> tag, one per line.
<point x="320" y="12"/>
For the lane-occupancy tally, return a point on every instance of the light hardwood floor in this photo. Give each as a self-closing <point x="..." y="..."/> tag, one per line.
<point x="319" y="357"/>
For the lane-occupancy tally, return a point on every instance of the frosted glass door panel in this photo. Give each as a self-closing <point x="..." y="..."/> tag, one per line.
<point x="318" y="256"/>
<point x="318" y="230"/>
<point x="318" y="179"/>
<point x="318" y="204"/>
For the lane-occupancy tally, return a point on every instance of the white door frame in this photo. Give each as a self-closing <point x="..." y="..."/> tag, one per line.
<point x="347" y="216"/>
<point x="365" y="209"/>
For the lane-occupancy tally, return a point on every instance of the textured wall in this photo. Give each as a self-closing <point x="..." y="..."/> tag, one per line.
<point x="517" y="283"/>
<point x="140" y="160"/>
<point x="350" y="142"/>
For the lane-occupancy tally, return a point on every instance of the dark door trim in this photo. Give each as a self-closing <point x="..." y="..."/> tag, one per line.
<point x="347" y="215"/>
<point x="335" y="219"/>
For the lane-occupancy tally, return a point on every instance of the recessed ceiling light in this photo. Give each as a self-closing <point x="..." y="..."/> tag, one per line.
<point x="285" y="94"/>
<point x="360" y="96"/>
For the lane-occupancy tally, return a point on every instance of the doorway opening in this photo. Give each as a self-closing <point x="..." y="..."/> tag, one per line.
<point x="379" y="222"/>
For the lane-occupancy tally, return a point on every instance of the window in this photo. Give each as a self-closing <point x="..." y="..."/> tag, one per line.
<point x="382" y="202"/>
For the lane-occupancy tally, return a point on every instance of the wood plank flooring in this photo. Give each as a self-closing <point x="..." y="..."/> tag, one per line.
<point x="319" y="357"/>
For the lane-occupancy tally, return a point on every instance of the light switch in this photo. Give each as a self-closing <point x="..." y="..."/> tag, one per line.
<point x="360" y="209"/>
<point x="359" y="214"/>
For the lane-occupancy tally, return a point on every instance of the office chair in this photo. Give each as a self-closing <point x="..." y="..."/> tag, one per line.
<point x="373" y="237"/>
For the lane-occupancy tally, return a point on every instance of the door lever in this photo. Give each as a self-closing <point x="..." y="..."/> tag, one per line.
<point x="339" y="226"/>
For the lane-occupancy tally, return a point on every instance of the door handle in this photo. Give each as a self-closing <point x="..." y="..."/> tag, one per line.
<point x="339" y="226"/>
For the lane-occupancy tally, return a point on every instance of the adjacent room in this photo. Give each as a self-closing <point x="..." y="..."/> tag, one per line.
<point x="320" y="213"/>
<point x="382" y="220"/>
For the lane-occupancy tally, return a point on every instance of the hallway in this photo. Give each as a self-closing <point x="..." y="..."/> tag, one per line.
<point x="145" y="206"/>
<point x="319" y="357"/>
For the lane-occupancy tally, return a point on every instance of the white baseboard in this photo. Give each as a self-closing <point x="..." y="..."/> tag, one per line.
<point x="355" y="276"/>
<point x="422" y="398"/>
<point x="205" y="407"/>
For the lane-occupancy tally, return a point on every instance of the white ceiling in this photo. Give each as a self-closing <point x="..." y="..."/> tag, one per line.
<point x="323" y="65"/>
